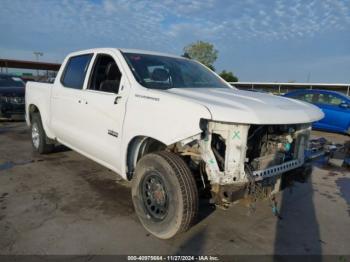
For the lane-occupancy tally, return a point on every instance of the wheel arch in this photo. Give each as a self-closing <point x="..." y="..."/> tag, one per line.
<point x="138" y="147"/>
<point x="32" y="108"/>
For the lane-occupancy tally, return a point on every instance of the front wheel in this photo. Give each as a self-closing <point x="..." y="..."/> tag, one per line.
<point x="164" y="194"/>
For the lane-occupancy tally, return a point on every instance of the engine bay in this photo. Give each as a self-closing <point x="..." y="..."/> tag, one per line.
<point x="234" y="157"/>
<point x="270" y="145"/>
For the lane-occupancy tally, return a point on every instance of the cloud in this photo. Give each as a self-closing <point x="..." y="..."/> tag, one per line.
<point x="163" y="25"/>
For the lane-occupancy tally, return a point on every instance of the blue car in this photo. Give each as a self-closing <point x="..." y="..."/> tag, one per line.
<point x="335" y="106"/>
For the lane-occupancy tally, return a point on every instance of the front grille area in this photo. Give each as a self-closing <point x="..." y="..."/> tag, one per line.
<point x="13" y="100"/>
<point x="17" y="100"/>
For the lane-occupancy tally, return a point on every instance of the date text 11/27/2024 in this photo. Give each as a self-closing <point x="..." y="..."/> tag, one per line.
<point x="173" y="258"/>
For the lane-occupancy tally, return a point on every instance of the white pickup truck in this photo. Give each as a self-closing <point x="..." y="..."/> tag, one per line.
<point x="170" y="125"/>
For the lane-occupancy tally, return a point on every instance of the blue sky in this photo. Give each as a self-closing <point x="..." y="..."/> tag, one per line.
<point x="259" y="40"/>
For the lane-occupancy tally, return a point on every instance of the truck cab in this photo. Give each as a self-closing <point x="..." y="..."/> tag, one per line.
<point x="171" y="126"/>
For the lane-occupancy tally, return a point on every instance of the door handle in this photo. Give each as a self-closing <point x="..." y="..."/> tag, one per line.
<point x="117" y="99"/>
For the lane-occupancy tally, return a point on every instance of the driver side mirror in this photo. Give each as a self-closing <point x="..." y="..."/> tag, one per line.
<point x="344" y="105"/>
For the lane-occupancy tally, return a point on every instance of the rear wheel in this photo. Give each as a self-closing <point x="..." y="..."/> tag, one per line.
<point x="40" y="141"/>
<point x="164" y="194"/>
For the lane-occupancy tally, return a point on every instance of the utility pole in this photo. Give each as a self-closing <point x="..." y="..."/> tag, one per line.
<point x="37" y="54"/>
<point x="308" y="77"/>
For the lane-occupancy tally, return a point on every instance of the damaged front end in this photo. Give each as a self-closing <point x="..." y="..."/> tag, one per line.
<point x="237" y="158"/>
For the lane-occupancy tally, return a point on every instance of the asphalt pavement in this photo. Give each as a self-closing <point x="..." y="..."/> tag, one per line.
<point x="64" y="203"/>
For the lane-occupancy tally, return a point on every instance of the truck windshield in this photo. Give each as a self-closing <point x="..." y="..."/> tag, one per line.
<point x="162" y="72"/>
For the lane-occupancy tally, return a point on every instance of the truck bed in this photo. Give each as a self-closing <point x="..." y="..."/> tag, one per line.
<point x="38" y="94"/>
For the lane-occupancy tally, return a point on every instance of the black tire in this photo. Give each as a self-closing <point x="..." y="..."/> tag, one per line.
<point x="42" y="144"/>
<point x="177" y="195"/>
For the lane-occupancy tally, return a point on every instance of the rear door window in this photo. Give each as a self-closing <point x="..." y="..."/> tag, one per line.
<point x="75" y="71"/>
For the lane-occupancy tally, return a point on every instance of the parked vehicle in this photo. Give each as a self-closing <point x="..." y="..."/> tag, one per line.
<point x="170" y="125"/>
<point x="335" y="106"/>
<point x="12" y="91"/>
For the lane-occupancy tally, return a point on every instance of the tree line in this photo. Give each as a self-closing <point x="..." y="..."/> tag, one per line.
<point x="206" y="53"/>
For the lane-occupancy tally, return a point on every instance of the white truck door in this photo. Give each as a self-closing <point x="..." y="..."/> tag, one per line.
<point x="66" y="101"/>
<point x="105" y="99"/>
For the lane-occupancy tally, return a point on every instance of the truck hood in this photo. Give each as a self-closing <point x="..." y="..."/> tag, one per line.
<point x="236" y="106"/>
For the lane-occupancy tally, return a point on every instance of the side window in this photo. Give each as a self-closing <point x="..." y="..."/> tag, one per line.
<point x="306" y="97"/>
<point x="335" y="100"/>
<point x="329" y="99"/>
<point x="106" y="75"/>
<point x="75" y="71"/>
<point x="322" y="99"/>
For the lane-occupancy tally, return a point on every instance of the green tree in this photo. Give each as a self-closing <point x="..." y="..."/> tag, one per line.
<point x="228" y="76"/>
<point x="203" y="52"/>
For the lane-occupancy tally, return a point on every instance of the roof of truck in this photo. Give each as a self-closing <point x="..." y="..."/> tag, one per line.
<point x="125" y="50"/>
<point x="138" y="51"/>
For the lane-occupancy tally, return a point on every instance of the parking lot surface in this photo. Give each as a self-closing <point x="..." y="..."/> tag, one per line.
<point x="64" y="203"/>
